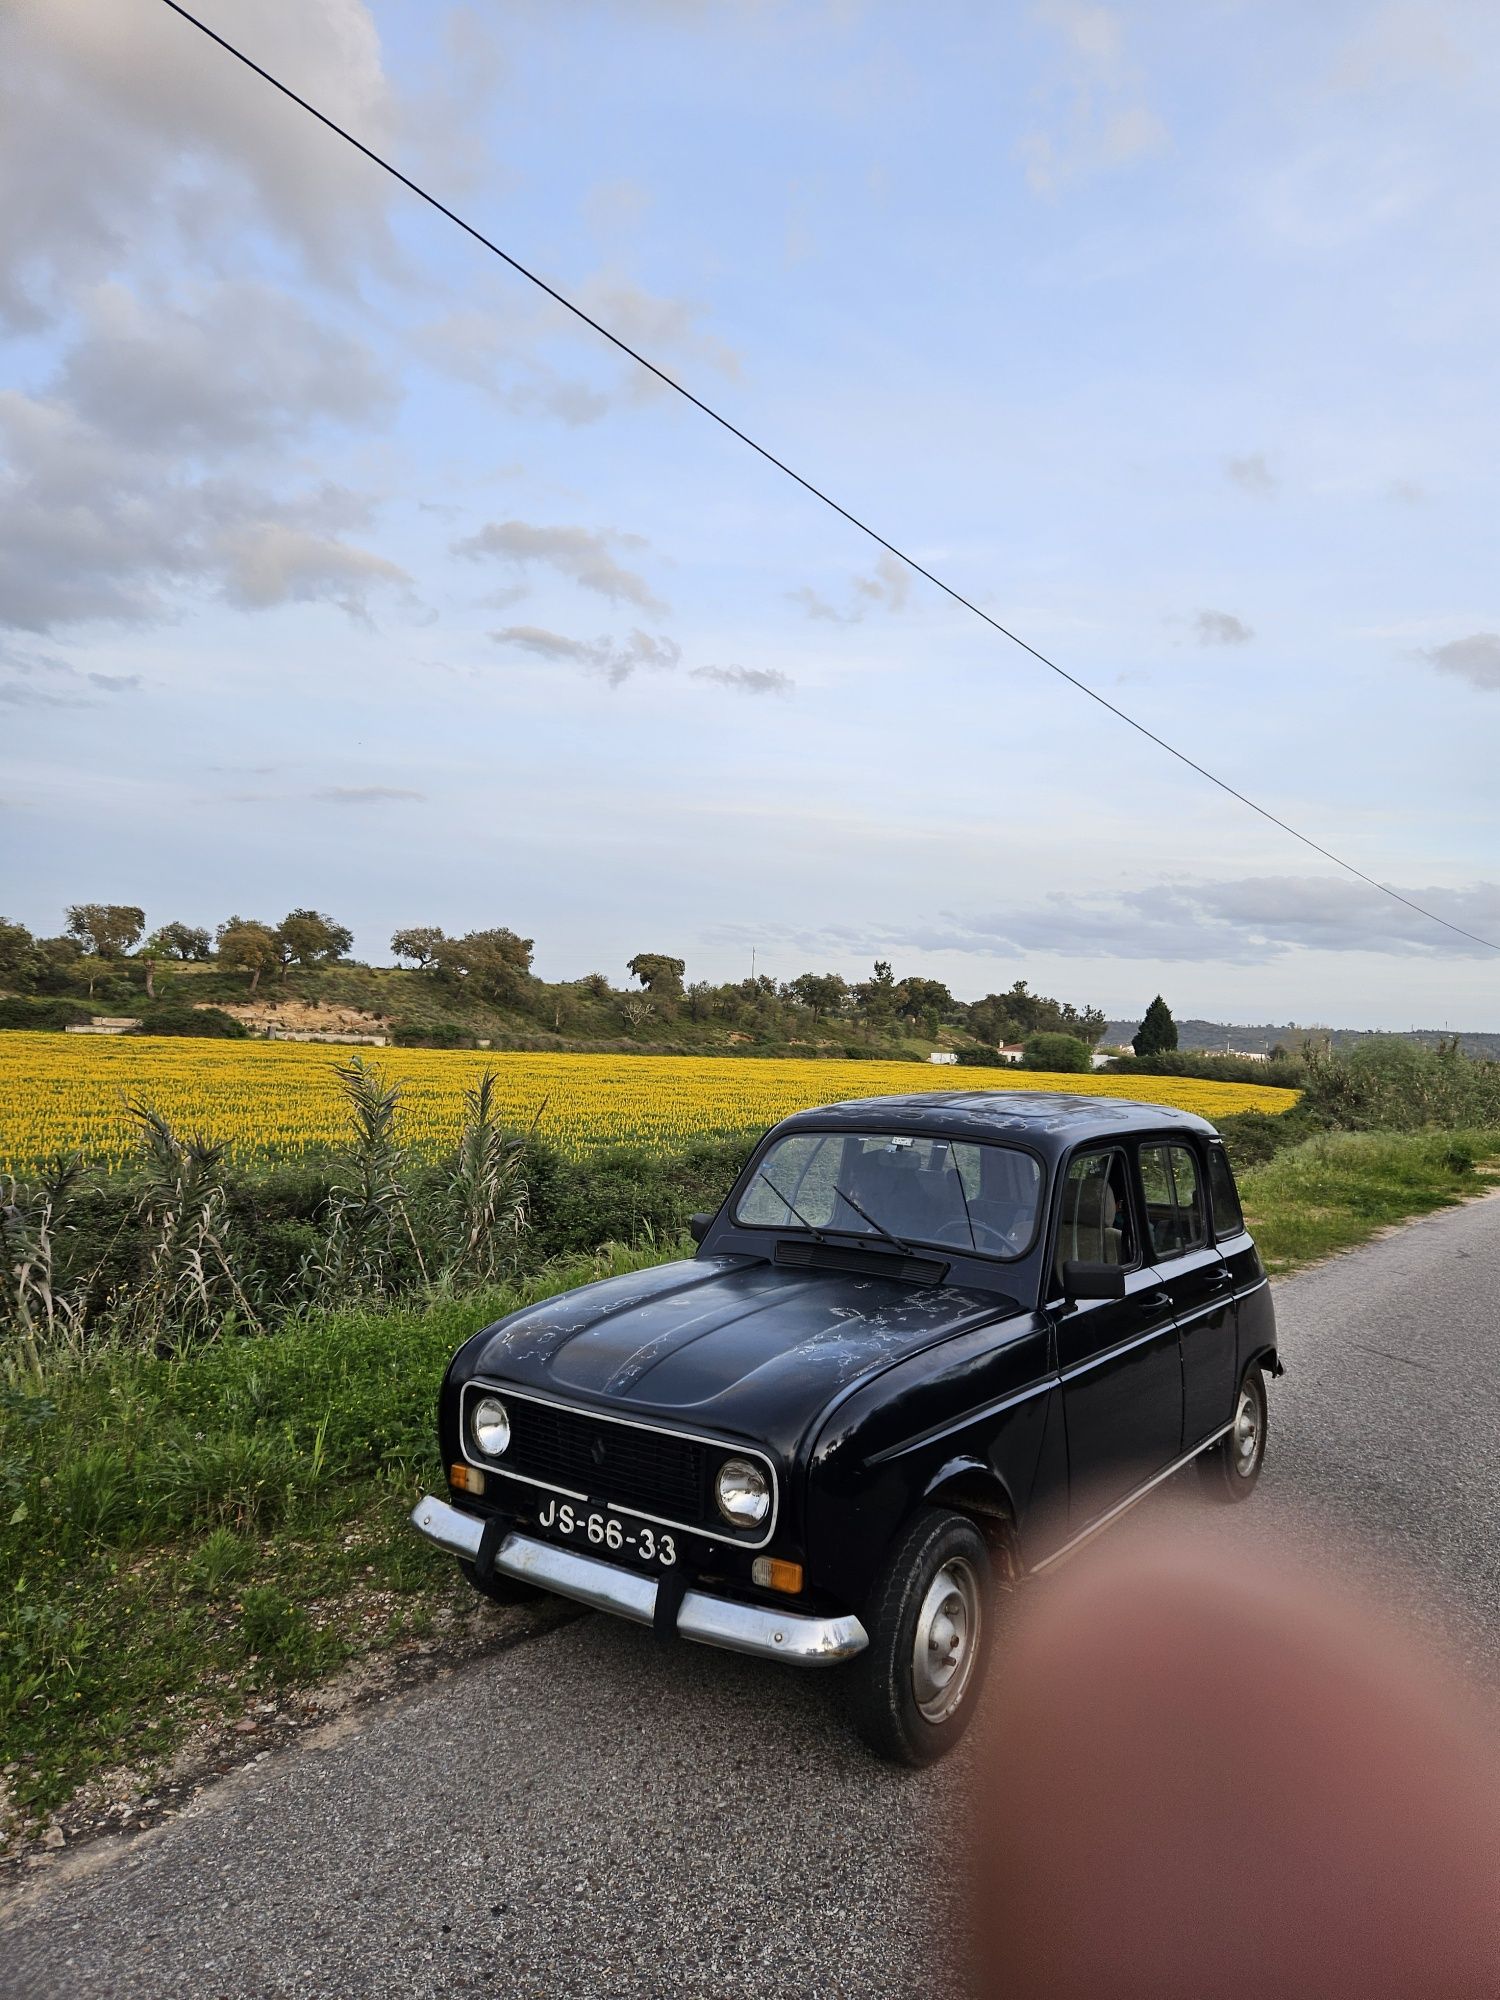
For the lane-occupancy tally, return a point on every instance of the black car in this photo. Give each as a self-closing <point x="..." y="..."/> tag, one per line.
<point x="928" y="1341"/>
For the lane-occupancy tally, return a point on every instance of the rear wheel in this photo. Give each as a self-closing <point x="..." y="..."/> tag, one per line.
<point x="1230" y="1470"/>
<point x="916" y="1684"/>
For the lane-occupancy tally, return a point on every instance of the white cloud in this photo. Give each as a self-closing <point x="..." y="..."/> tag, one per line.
<point x="91" y="529"/>
<point x="888" y="585"/>
<point x="236" y="364"/>
<point x="1252" y="475"/>
<point x="1221" y="628"/>
<point x="121" y="122"/>
<point x="747" y="680"/>
<point x="1100" y="118"/>
<point x="1475" y="659"/>
<point x="581" y="554"/>
<point x="615" y="661"/>
<point x="1237" y="922"/>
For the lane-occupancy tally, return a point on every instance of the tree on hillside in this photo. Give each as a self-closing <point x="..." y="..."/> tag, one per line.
<point x="1157" y="1034"/>
<point x="107" y="930"/>
<point x="659" y="974"/>
<point x="876" y="996"/>
<point x="307" y="937"/>
<point x="819" y="992"/>
<point x="924" y="1002"/>
<point x="1055" y="1052"/>
<point x="246" y="946"/>
<point x="54" y="963"/>
<point x="419" y="942"/>
<point x="186" y="942"/>
<point x="494" y="965"/>
<point x="16" y="947"/>
<point x="1012" y="1016"/>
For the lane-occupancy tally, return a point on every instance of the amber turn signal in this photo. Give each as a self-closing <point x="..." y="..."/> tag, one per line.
<point x="773" y="1574"/>
<point x="468" y="1478"/>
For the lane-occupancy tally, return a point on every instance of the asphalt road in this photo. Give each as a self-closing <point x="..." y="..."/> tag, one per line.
<point x="591" y="1814"/>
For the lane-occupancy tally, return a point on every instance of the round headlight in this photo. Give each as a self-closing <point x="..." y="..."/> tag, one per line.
<point x="489" y="1422"/>
<point x="743" y="1493"/>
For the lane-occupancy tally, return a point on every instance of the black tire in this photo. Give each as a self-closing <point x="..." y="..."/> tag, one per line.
<point x="886" y="1701"/>
<point x="501" y="1589"/>
<point x="1230" y="1470"/>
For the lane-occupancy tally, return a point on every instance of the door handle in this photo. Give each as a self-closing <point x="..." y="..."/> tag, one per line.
<point x="1221" y="1277"/>
<point x="1152" y="1300"/>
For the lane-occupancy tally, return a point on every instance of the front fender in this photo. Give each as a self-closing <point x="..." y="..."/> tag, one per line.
<point x="961" y="1426"/>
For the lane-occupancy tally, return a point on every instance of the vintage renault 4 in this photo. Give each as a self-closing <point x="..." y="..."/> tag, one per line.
<point x="928" y="1342"/>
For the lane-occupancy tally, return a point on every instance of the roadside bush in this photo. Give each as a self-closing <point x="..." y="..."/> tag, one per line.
<point x="177" y="1019"/>
<point x="1064" y="1053"/>
<point x="1392" y="1085"/>
<point x="1284" y="1074"/>
<point x="16" y="1012"/>
<point x="431" y="1035"/>
<point x="983" y="1058"/>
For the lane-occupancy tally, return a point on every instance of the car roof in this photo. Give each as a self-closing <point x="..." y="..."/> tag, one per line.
<point x="1050" y="1121"/>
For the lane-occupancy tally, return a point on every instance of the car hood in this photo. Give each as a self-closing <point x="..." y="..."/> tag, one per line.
<point x="733" y="1342"/>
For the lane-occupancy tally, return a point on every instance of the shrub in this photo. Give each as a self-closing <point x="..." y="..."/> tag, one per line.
<point x="1063" y="1053"/>
<point x="1285" y="1073"/>
<point x="19" y="1013"/>
<point x="175" y="1019"/>
<point x="431" y="1035"/>
<point x="985" y="1058"/>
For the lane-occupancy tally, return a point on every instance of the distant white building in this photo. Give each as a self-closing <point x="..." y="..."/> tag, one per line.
<point x="943" y="1056"/>
<point x="1011" y="1052"/>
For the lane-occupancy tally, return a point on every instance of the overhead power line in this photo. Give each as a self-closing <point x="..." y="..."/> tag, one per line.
<point x="671" y="382"/>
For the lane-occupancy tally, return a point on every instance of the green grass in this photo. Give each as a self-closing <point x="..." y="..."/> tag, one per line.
<point x="1337" y="1190"/>
<point x="180" y="1537"/>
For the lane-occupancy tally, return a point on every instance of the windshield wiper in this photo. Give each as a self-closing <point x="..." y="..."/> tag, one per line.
<point x="811" y="1227"/>
<point x="879" y="1227"/>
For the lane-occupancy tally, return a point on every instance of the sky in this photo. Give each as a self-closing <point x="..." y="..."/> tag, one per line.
<point x="338" y="567"/>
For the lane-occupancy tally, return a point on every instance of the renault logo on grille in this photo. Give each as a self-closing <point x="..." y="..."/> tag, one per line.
<point x="596" y="1451"/>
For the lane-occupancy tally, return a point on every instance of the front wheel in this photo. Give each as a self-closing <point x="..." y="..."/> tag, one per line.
<point x="1230" y="1469"/>
<point x="916" y="1684"/>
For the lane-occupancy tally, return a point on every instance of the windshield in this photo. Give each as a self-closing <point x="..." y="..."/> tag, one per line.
<point x="944" y="1192"/>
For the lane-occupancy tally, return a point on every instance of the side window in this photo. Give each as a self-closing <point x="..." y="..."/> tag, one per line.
<point x="1094" y="1224"/>
<point x="1229" y="1217"/>
<point x="1175" y="1214"/>
<point x="1192" y="1205"/>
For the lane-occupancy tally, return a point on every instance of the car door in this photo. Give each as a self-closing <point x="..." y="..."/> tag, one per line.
<point x="1117" y="1358"/>
<point x="1201" y="1286"/>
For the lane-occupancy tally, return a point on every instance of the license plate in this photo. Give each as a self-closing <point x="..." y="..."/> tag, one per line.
<point x="607" y="1535"/>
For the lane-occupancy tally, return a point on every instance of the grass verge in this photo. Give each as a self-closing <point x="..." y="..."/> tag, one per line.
<point x="1337" y="1190"/>
<point x="182" y="1538"/>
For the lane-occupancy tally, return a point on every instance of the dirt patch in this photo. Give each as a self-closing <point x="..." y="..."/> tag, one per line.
<point x="306" y="1016"/>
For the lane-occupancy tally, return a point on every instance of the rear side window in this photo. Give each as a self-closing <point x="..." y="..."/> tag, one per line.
<point x="1176" y="1213"/>
<point x="1229" y="1217"/>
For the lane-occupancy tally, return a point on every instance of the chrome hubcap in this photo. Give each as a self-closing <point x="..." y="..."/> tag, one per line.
<point x="947" y="1640"/>
<point x="1246" y="1434"/>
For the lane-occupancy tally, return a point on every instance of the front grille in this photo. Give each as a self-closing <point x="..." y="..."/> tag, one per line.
<point x="657" y="1472"/>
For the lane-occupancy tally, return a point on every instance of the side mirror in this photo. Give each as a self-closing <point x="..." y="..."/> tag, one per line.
<point x="1093" y="1281"/>
<point x="698" y="1226"/>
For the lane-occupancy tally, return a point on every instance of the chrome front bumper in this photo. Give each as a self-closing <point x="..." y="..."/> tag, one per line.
<point x="712" y="1621"/>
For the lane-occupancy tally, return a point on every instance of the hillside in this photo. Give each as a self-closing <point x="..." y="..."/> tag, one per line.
<point x="1264" y="1036"/>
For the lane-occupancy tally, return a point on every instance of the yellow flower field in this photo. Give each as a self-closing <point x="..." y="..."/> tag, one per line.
<point x="68" y="1091"/>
